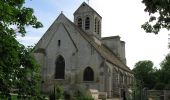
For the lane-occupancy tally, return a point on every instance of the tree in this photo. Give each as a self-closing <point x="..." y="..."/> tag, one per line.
<point x="165" y="69"/>
<point x="162" y="75"/>
<point x="18" y="68"/>
<point x="151" y="78"/>
<point x="159" y="12"/>
<point x="143" y="71"/>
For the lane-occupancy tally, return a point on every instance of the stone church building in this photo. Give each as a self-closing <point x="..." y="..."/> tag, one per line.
<point x="74" y="54"/>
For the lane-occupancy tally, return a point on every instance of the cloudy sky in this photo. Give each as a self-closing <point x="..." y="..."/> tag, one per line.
<point x="119" y="17"/>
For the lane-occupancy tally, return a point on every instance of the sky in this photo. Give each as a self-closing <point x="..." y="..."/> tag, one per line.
<point x="119" y="17"/>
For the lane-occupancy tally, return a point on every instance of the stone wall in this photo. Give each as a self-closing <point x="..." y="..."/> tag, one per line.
<point x="158" y="94"/>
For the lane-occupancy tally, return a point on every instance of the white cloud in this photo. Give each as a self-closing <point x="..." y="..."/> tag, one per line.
<point x="28" y="40"/>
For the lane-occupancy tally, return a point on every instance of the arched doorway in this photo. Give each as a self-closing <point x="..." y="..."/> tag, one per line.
<point x="60" y="68"/>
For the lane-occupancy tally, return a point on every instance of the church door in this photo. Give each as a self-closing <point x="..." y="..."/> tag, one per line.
<point x="60" y="68"/>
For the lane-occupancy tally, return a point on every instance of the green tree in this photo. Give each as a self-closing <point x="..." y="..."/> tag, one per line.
<point x="165" y="69"/>
<point x="18" y="69"/>
<point x="162" y="75"/>
<point x="159" y="12"/>
<point x="143" y="71"/>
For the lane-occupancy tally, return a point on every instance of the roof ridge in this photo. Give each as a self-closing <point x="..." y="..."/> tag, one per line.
<point x="115" y="55"/>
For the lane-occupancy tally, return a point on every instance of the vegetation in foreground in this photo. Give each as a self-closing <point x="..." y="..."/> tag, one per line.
<point x="19" y="71"/>
<point x="58" y="93"/>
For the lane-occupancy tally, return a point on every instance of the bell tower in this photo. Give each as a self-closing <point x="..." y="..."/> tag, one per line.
<point x="88" y="19"/>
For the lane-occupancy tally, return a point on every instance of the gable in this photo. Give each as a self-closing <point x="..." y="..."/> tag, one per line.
<point x="61" y="42"/>
<point x="49" y="34"/>
<point x="43" y="42"/>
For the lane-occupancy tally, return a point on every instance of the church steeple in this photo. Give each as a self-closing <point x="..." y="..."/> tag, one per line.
<point x="88" y="19"/>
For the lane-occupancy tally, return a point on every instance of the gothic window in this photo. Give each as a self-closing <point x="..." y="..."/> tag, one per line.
<point x="88" y="74"/>
<point x="79" y="23"/>
<point x="95" y="25"/>
<point x="98" y="27"/>
<point x="87" y="23"/>
<point x="60" y="68"/>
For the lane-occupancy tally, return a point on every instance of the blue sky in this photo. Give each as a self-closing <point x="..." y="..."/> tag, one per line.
<point x="119" y="17"/>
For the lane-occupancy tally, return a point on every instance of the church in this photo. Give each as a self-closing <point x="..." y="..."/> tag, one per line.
<point x="74" y="55"/>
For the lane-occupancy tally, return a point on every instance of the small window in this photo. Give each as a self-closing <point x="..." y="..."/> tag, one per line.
<point x="59" y="42"/>
<point x="87" y="23"/>
<point x="79" y="23"/>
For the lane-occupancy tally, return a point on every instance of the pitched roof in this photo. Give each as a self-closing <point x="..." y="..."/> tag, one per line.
<point x="47" y="37"/>
<point x="88" y="7"/>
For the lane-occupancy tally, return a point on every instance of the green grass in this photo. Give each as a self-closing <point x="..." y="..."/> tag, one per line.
<point x="14" y="97"/>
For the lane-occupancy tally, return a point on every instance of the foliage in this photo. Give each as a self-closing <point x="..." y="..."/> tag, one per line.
<point x="14" y="13"/>
<point x="136" y="93"/>
<point x="167" y="86"/>
<point x="165" y="65"/>
<point x="18" y="69"/>
<point x="58" y="93"/>
<point x="151" y="78"/>
<point x="143" y="71"/>
<point x="159" y="12"/>
<point x="79" y="95"/>
<point x="165" y="72"/>
<point x="159" y="86"/>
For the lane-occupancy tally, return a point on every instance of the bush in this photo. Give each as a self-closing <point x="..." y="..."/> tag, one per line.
<point x="57" y="93"/>
<point x="159" y="86"/>
<point x="79" y="95"/>
<point x="167" y="87"/>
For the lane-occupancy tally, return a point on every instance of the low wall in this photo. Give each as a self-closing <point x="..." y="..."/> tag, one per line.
<point x="158" y="94"/>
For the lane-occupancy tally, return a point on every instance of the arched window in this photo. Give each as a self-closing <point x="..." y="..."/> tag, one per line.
<point x="95" y="25"/>
<point x="87" y="23"/>
<point x="88" y="74"/>
<point x="60" y="68"/>
<point x="79" y="22"/>
<point x="98" y="27"/>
